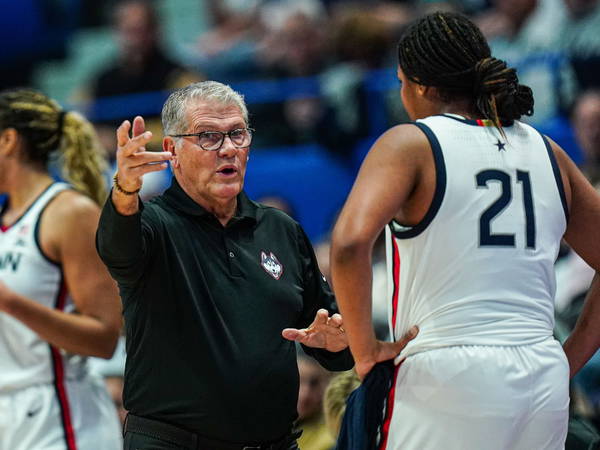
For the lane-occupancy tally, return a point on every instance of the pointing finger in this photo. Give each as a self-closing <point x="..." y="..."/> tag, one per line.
<point x="123" y="133"/>
<point x="138" y="126"/>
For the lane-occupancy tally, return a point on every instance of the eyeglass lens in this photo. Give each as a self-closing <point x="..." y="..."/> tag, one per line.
<point x="212" y="140"/>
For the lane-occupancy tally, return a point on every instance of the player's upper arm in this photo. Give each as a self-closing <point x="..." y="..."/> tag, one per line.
<point x="584" y="210"/>
<point x="70" y="224"/>
<point x="387" y="177"/>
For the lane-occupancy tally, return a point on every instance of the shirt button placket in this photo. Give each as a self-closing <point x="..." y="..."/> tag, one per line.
<point x="234" y="266"/>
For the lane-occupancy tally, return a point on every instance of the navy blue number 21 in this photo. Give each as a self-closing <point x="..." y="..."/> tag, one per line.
<point x="486" y="238"/>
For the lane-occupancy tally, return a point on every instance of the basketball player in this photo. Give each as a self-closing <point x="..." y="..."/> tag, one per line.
<point x="475" y="203"/>
<point x="57" y="301"/>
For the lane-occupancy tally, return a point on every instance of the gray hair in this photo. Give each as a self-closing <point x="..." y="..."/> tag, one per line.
<point x="173" y="114"/>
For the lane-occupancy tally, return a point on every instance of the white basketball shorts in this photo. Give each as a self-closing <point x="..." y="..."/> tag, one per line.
<point x="79" y="415"/>
<point x="480" y="397"/>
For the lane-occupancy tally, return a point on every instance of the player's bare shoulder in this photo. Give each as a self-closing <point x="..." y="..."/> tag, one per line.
<point x="404" y="136"/>
<point x="69" y="217"/>
<point x="72" y="205"/>
<point x="404" y="146"/>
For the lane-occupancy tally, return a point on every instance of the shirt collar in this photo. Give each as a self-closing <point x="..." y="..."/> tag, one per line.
<point x="177" y="198"/>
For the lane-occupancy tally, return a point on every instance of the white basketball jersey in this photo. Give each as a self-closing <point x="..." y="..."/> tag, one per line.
<point x="478" y="269"/>
<point x="25" y="359"/>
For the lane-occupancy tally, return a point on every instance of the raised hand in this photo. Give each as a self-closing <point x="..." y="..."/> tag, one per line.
<point x="133" y="161"/>
<point x="325" y="332"/>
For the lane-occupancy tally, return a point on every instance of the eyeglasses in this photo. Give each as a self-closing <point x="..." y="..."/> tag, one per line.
<point x="212" y="141"/>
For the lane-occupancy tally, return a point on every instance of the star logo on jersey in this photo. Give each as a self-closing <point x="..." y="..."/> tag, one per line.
<point x="500" y="145"/>
<point x="271" y="264"/>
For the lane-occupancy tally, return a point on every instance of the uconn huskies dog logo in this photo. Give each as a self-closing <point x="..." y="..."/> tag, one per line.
<point x="271" y="264"/>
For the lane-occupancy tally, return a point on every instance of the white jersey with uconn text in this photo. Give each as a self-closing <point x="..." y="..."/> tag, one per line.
<point x="47" y="397"/>
<point x="25" y="359"/>
<point x="478" y="270"/>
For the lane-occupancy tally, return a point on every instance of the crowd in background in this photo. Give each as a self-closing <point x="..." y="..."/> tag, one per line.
<point x="319" y="77"/>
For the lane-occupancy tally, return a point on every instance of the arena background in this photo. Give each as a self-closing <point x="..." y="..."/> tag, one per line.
<point x="319" y="77"/>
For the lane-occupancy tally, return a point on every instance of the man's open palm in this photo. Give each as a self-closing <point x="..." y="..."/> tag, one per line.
<point x="325" y="332"/>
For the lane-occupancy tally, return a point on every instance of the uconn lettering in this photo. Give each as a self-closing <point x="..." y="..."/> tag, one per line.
<point x="10" y="261"/>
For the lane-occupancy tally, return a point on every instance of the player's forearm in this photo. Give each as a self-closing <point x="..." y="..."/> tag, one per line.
<point x="585" y="338"/>
<point x="352" y="279"/>
<point x="83" y="335"/>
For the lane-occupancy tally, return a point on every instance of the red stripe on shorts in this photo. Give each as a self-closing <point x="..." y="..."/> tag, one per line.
<point x="389" y="410"/>
<point x="391" y="395"/>
<point x="59" y="380"/>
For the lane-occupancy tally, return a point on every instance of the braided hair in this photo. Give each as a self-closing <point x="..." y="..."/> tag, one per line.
<point x="447" y="51"/>
<point x="46" y="127"/>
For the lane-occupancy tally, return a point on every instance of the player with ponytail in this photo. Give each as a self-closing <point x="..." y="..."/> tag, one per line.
<point x="58" y="303"/>
<point x="474" y="203"/>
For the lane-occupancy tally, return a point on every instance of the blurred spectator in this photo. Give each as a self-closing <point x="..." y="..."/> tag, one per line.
<point x="579" y="38"/>
<point x="294" y="45"/>
<point x="586" y="123"/>
<point x="515" y="21"/>
<point x="142" y="66"/>
<point x="579" y="35"/>
<point x="329" y="57"/>
<point x="231" y="43"/>
<point x="334" y="401"/>
<point x="361" y="42"/>
<point x="313" y="381"/>
<point x="517" y="31"/>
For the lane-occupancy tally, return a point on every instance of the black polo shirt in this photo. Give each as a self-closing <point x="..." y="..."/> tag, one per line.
<point x="204" y="307"/>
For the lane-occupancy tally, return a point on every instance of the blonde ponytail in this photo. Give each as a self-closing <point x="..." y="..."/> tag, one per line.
<point x="46" y="128"/>
<point x="81" y="154"/>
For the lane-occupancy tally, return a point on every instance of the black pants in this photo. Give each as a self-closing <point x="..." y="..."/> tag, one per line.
<point x="137" y="441"/>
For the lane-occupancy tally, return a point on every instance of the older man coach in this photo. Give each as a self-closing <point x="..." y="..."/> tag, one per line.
<point x="210" y="281"/>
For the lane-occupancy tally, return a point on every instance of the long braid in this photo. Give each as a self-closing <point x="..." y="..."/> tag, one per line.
<point x="447" y="51"/>
<point x="45" y="128"/>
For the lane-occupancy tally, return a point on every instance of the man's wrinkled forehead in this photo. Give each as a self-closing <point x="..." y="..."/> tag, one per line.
<point x="213" y="113"/>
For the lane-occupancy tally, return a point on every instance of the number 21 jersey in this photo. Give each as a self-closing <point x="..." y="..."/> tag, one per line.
<point x="478" y="269"/>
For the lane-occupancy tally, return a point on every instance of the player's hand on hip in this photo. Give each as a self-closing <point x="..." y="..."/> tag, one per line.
<point x="325" y="332"/>
<point x="384" y="351"/>
<point x="133" y="161"/>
